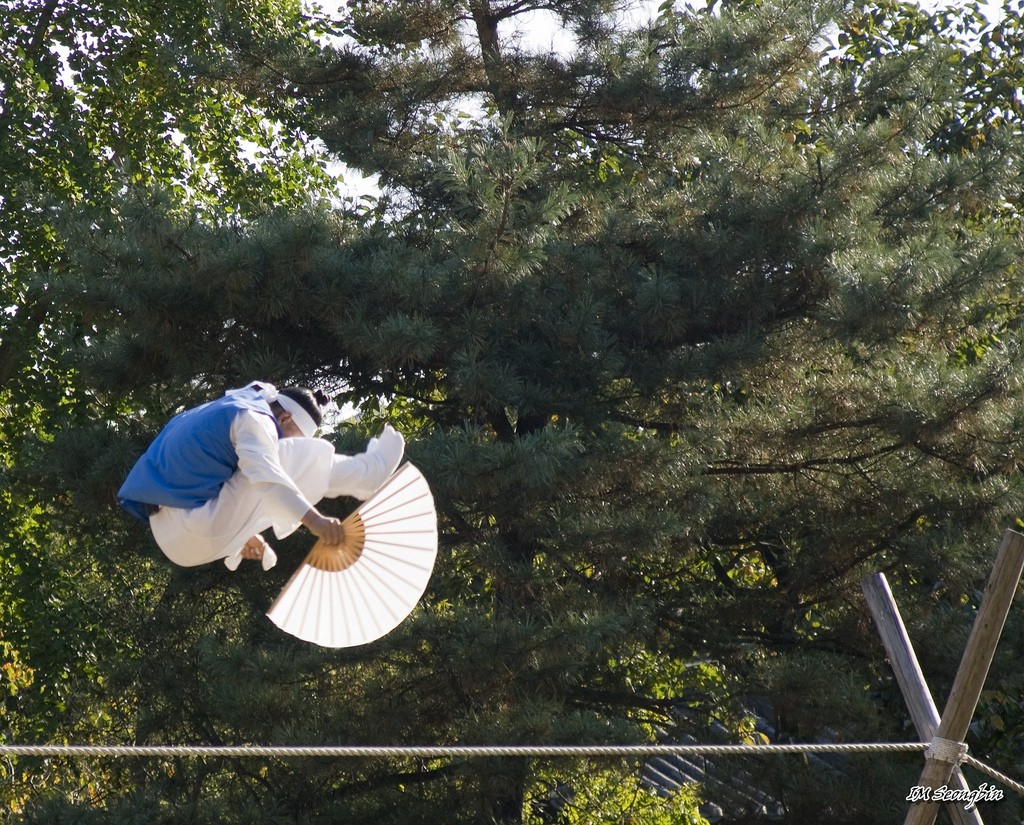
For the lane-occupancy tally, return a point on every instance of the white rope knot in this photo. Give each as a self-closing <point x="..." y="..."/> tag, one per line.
<point x="946" y="750"/>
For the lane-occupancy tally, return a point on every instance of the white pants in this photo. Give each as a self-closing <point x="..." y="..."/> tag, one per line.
<point x="220" y="527"/>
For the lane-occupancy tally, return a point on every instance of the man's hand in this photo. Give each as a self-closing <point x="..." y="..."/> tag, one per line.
<point x="254" y="548"/>
<point x="328" y="529"/>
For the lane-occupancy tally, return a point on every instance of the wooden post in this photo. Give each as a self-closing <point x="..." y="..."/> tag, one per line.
<point x="970" y="676"/>
<point x="910" y="678"/>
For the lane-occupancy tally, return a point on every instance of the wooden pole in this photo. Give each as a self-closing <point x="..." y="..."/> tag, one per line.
<point x="970" y="676"/>
<point x="910" y="678"/>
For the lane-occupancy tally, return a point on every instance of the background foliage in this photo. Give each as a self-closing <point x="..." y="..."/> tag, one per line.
<point x="690" y="324"/>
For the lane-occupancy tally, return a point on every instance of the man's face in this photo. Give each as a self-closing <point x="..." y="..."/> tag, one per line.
<point x="289" y="429"/>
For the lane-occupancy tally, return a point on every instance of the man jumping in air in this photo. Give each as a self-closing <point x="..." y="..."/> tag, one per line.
<point x="219" y="474"/>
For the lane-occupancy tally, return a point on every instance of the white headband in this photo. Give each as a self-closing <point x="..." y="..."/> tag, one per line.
<point x="302" y="418"/>
<point x="268" y="392"/>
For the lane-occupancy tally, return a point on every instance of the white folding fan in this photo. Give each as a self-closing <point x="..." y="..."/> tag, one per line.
<point x="354" y="592"/>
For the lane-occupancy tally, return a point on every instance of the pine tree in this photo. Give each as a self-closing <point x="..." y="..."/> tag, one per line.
<point x="689" y="328"/>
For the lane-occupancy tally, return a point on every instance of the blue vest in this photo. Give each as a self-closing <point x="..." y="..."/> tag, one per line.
<point x="191" y="458"/>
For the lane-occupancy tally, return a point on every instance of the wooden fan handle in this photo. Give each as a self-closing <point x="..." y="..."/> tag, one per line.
<point x="337" y="557"/>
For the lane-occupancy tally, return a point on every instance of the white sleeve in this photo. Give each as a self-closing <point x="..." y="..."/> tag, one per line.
<point x="255" y="440"/>
<point x="360" y="475"/>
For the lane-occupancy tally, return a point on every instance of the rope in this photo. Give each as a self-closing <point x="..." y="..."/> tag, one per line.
<point x="949" y="750"/>
<point x="434" y="752"/>
<point x="996" y="775"/>
<point x="946" y="750"/>
<point x="944" y="746"/>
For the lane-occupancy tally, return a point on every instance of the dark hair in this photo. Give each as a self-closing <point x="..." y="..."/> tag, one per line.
<point x="309" y="400"/>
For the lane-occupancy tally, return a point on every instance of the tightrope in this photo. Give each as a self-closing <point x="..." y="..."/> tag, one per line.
<point x="468" y="751"/>
<point x="998" y="776"/>
<point x="443" y="751"/>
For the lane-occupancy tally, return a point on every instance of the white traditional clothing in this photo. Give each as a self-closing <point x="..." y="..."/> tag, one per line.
<point x="266" y="481"/>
